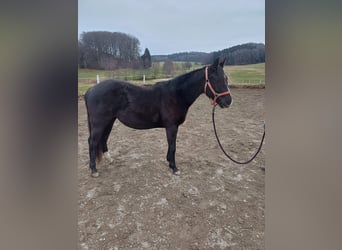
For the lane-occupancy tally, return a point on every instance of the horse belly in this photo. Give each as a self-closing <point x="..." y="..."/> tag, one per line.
<point x="140" y="120"/>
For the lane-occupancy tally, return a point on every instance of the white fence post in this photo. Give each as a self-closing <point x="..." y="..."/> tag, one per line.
<point x="97" y="78"/>
<point x="144" y="78"/>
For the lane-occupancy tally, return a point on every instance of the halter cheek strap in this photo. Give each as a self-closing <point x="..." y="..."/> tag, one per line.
<point x="208" y="84"/>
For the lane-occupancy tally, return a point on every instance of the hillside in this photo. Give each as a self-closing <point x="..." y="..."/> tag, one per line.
<point x="248" y="53"/>
<point x="200" y="57"/>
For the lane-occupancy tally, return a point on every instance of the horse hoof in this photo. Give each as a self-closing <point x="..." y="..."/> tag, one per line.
<point x="177" y="172"/>
<point x="95" y="174"/>
<point x="108" y="157"/>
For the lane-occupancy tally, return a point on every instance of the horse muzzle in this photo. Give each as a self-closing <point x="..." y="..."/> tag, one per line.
<point x="224" y="101"/>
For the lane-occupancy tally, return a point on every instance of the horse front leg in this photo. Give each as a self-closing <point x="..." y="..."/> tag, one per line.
<point x="171" y="134"/>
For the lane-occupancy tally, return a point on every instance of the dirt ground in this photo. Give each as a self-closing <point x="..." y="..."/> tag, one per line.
<point x="137" y="203"/>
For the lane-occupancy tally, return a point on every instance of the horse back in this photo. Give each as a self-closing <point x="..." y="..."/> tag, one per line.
<point x="105" y="98"/>
<point x="135" y="106"/>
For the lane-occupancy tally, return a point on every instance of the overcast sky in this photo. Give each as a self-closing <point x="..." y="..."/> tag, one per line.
<point x="170" y="26"/>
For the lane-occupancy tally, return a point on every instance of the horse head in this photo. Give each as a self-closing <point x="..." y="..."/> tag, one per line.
<point x="216" y="85"/>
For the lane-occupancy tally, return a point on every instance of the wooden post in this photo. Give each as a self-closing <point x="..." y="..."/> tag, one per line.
<point x="97" y="78"/>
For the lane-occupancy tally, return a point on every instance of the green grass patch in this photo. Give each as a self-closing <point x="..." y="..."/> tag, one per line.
<point x="155" y="72"/>
<point x="246" y="74"/>
<point x="253" y="74"/>
<point x="82" y="88"/>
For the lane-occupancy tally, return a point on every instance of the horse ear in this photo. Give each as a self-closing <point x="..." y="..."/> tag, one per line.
<point x="222" y="63"/>
<point x="216" y="63"/>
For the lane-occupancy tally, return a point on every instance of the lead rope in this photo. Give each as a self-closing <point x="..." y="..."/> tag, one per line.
<point x="219" y="143"/>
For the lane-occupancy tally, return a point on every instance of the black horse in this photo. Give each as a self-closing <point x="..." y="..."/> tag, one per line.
<point x="163" y="105"/>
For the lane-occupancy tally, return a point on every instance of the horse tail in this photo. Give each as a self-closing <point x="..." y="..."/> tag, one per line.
<point x="98" y="149"/>
<point x="85" y="101"/>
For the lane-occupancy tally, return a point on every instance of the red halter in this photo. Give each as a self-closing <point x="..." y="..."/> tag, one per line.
<point x="216" y="95"/>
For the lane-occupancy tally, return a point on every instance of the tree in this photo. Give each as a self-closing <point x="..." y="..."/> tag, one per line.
<point x="156" y="68"/>
<point x="247" y="53"/>
<point x="187" y="65"/>
<point x="168" y="67"/>
<point x="81" y="59"/>
<point x="108" y="50"/>
<point x="146" y="59"/>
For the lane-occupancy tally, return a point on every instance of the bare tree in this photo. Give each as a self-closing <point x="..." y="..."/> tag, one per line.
<point x="105" y="50"/>
<point x="187" y="65"/>
<point x="156" y="68"/>
<point x="168" y="67"/>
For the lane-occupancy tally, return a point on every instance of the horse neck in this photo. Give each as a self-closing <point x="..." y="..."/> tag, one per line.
<point x="192" y="87"/>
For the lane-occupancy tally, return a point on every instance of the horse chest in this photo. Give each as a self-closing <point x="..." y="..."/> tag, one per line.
<point x="173" y="115"/>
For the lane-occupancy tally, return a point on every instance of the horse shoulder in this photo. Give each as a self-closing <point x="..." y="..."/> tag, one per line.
<point x="173" y="110"/>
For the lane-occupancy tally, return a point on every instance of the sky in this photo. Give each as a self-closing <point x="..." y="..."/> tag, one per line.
<point x="172" y="26"/>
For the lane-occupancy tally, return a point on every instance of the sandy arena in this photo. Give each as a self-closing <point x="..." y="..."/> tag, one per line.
<point x="137" y="203"/>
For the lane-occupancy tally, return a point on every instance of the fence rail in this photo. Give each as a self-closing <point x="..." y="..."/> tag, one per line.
<point x="147" y="78"/>
<point x="139" y="77"/>
<point x="87" y="82"/>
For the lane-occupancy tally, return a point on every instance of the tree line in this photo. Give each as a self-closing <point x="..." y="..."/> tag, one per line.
<point x="200" y="57"/>
<point x="111" y="50"/>
<point x="248" y="53"/>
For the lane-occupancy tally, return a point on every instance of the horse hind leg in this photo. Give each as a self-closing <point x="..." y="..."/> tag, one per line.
<point x="104" y="141"/>
<point x="92" y="156"/>
<point x="95" y="148"/>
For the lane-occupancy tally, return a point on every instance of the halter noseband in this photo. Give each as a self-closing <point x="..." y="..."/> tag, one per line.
<point x="216" y="95"/>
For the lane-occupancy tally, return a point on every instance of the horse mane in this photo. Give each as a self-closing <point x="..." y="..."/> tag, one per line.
<point x="181" y="78"/>
<point x="178" y="80"/>
<point x="185" y="76"/>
